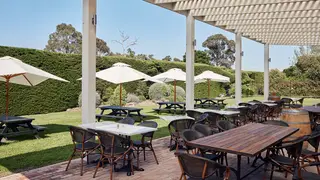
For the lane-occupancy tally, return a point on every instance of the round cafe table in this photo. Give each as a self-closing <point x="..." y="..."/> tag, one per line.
<point x="314" y="113"/>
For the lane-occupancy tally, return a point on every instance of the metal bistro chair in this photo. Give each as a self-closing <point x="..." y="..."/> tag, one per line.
<point x="146" y="141"/>
<point x="202" y="119"/>
<point x="225" y="125"/>
<point x="113" y="148"/>
<point x="307" y="154"/>
<point x="175" y="129"/>
<point x="190" y="135"/>
<point x="213" y="118"/>
<point x="82" y="144"/>
<point x="305" y="175"/>
<point x="196" y="167"/>
<point x="287" y="102"/>
<point x="192" y="113"/>
<point x="127" y="120"/>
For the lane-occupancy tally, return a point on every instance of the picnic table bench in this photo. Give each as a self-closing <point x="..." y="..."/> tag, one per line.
<point x="13" y="126"/>
<point x="171" y="107"/>
<point x="119" y="112"/>
<point x="210" y="102"/>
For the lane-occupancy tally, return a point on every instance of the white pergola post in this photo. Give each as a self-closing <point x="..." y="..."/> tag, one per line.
<point x="89" y="61"/>
<point x="266" y="71"/>
<point x="190" y="41"/>
<point x="238" y="62"/>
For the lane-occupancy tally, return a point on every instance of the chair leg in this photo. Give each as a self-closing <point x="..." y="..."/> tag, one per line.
<point x="138" y="152"/>
<point x="144" y="153"/>
<point x="81" y="173"/>
<point x="111" y="168"/>
<point x="318" y="168"/>
<point x="226" y="159"/>
<point x="248" y="160"/>
<point x="97" y="167"/>
<point x="272" y="169"/>
<point x="70" y="159"/>
<point x="154" y="154"/>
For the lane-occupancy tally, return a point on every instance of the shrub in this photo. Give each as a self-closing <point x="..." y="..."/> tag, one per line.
<point x="180" y="94"/>
<point x="142" y="89"/>
<point x="159" y="91"/>
<point x="115" y="98"/>
<point x="98" y="100"/>
<point x="107" y="94"/>
<point x="142" y="98"/>
<point x="132" y="98"/>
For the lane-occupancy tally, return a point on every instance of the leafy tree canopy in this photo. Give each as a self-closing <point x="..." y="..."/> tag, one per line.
<point x="200" y="57"/>
<point x="68" y="40"/>
<point x="167" y="58"/>
<point x="221" y="50"/>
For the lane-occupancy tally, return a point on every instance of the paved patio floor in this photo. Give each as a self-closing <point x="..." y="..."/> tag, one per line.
<point x="168" y="169"/>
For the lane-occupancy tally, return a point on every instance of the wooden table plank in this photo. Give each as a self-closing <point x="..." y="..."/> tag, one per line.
<point x="248" y="140"/>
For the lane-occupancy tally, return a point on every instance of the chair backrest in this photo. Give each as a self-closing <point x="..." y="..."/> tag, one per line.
<point x="224" y="125"/>
<point x="203" y="118"/>
<point x="295" y="148"/>
<point x="192" y="113"/>
<point x="198" y="167"/>
<point x="190" y="135"/>
<point x="109" y="142"/>
<point x="314" y="140"/>
<point x="127" y="120"/>
<point x="80" y="135"/>
<point x="180" y="125"/>
<point x="301" y="101"/>
<point x="244" y="104"/>
<point x="203" y="129"/>
<point x="213" y="118"/>
<point x="287" y="102"/>
<point x="150" y="124"/>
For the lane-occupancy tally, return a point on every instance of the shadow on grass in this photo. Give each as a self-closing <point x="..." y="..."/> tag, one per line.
<point x="36" y="159"/>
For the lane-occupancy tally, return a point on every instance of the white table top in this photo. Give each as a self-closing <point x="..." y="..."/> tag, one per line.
<point x="172" y="118"/>
<point x="221" y="112"/>
<point x="235" y="106"/>
<point x="119" y="129"/>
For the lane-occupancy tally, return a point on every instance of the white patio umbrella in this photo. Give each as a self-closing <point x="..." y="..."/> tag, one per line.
<point x="208" y="76"/>
<point x="172" y="75"/>
<point x="121" y="73"/>
<point x="13" y="70"/>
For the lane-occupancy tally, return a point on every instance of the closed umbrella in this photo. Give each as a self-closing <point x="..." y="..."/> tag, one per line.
<point x="208" y="76"/>
<point x="121" y="73"/>
<point x="172" y="75"/>
<point x="13" y="70"/>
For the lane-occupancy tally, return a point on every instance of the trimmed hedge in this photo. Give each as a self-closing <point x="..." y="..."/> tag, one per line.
<point x="54" y="96"/>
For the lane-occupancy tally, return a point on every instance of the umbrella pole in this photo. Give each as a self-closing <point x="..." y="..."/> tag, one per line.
<point x="175" y="91"/>
<point x="120" y="94"/>
<point x="7" y="95"/>
<point x="208" y="89"/>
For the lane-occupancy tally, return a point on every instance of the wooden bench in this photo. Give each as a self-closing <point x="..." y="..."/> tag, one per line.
<point x="105" y="116"/>
<point x="38" y="128"/>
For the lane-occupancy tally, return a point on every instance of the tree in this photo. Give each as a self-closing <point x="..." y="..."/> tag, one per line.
<point x="131" y="53"/>
<point x="125" y="42"/>
<point x="221" y="50"/>
<point x="68" y="40"/>
<point x="176" y="59"/>
<point x="167" y="58"/>
<point x="200" y="57"/>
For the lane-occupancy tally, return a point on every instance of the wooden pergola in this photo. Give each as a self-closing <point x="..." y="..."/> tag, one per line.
<point x="270" y="22"/>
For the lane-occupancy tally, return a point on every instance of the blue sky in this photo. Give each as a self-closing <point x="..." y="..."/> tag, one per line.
<point x="28" y="23"/>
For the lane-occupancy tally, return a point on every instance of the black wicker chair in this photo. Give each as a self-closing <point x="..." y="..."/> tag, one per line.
<point x="213" y="118"/>
<point x="307" y="155"/>
<point x="204" y="129"/>
<point x="286" y="163"/>
<point x="145" y="142"/>
<point x="224" y="125"/>
<point x="194" y="114"/>
<point x="175" y="129"/>
<point x="190" y="135"/>
<point x="82" y="144"/>
<point x="113" y="148"/>
<point x="305" y="175"/>
<point x="202" y="119"/>
<point x="287" y="102"/>
<point x="244" y="104"/>
<point x="127" y="120"/>
<point x="196" y="167"/>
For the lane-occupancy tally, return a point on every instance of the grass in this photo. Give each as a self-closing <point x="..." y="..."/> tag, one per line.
<point x="27" y="153"/>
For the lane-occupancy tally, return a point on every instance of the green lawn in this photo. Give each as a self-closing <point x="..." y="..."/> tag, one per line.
<point x="27" y="152"/>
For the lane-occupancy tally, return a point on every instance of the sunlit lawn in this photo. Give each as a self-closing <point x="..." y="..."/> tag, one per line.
<point x="27" y="152"/>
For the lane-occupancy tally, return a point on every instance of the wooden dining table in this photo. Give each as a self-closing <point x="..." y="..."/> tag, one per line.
<point x="248" y="140"/>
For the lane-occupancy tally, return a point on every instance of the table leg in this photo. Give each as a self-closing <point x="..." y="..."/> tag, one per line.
<point x="239" y="167"/>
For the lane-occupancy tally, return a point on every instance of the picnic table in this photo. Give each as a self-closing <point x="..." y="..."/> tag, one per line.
<point x="171" y="107"/>
<point x="248" y="140"/>
<point x="126" y="130"/>
<point x="118" y="112"/>
<point x="13" y="126"/>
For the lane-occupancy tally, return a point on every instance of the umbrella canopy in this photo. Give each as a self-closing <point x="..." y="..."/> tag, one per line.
<point x="121" y="73"/>
<point x="23" y="74"/>
<point x="208" y="76"/>
<point x="13" y="70"/>
<point x="174" y="75"/>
